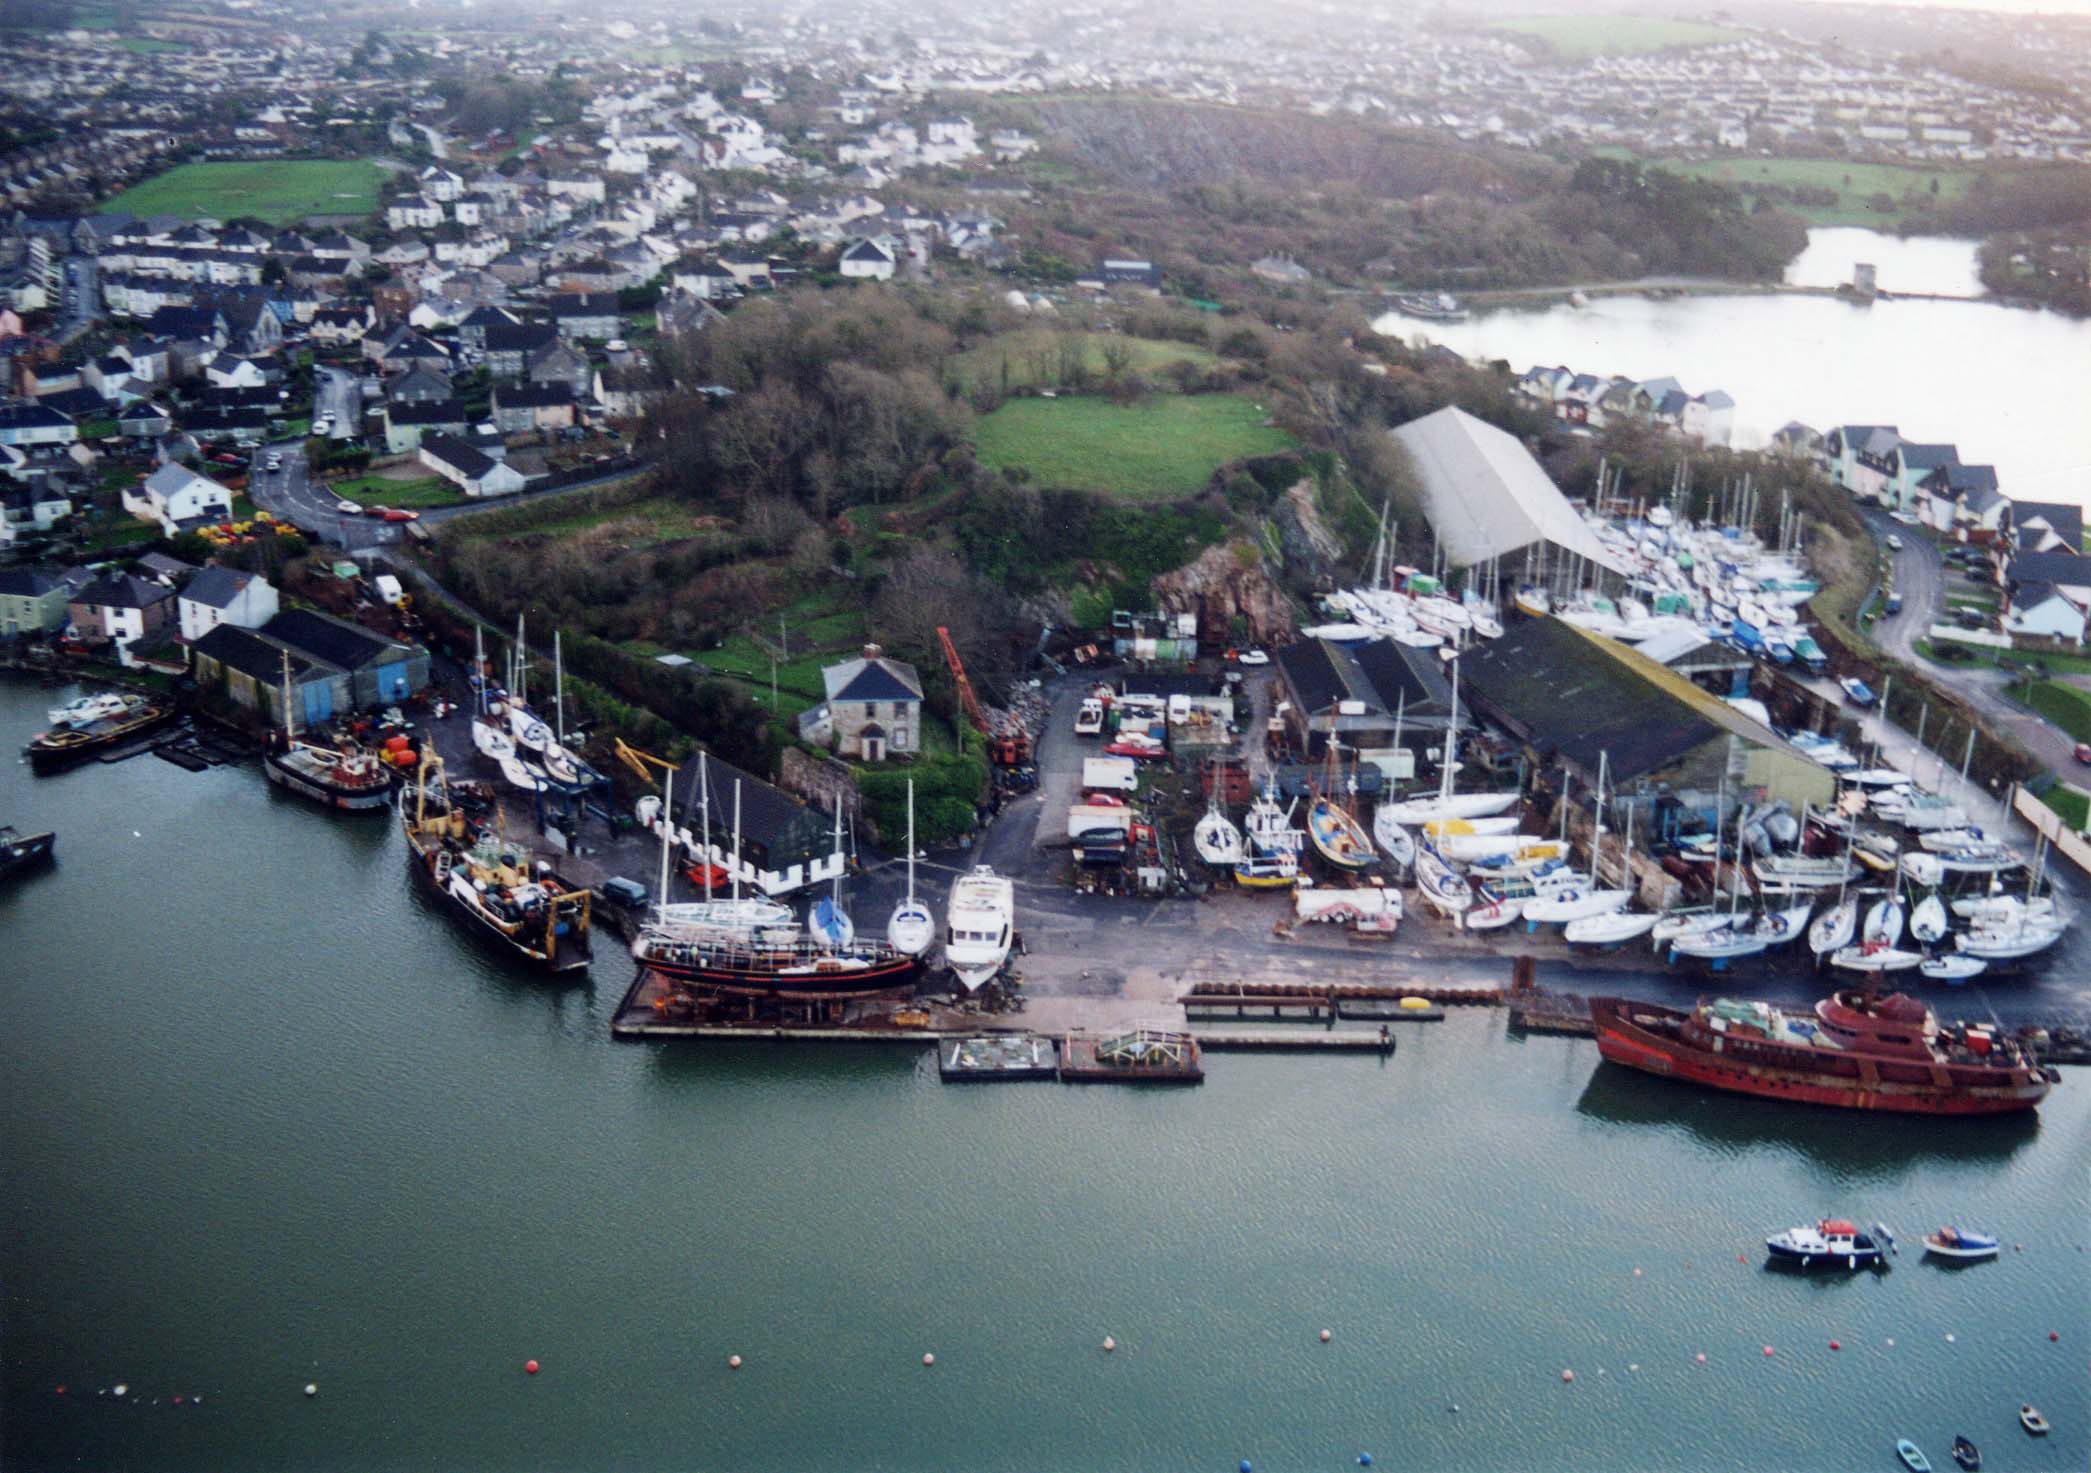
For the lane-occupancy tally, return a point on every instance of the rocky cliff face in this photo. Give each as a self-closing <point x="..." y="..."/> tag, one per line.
<point x="1309" y="548"/>
<point x="1225" y="583"/>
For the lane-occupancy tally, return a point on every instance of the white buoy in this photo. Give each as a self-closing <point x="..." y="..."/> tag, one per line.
<point x="929" y="1360"/>
<point x="1949" y="1339"/>
<point x="312" y="1388"/>
<point x="1325" y="1337"/>
<point x="121" y="1387"/>
<point x="734" y="1361"/>
<point x="1110" y="1344"/>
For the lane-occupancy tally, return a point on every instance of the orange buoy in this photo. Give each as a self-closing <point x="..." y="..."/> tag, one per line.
<point x="529" y="1367"/>
<point x="1325" y="1337"/>
<point x="1568" y="1375"/>
<point x="929" y="1360"/>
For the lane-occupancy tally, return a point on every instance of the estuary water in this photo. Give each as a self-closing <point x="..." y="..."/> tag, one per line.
<point x="269" y="1119"/>
<point x="2005" y="384"/>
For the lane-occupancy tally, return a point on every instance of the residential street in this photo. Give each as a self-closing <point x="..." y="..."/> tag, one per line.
<point x="1921" y="579"/>
<point x="338" y="392"/>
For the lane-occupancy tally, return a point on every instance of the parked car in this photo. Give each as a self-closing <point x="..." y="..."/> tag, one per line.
<point x="349" y="508"/>
<point x="275" y="463"/>
<point x="2083" y="753"/>
<point x="1254" y="657"/>
<point x="392" y="515"/>
<point x="628" y="893"/>
<point x="377" y="511"/>
<point x="1894" y="543"/>
<point x="1894" y="603"/>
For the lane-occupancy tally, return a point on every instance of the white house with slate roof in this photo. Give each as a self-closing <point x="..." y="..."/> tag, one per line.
<point x="874" y="707"/>
<point x="176" y="498"/>
<point x="219" y="595"/>
<point x="870" y="260"/>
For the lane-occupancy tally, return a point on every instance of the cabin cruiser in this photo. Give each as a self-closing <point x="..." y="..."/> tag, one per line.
<point x="979" y="926"/>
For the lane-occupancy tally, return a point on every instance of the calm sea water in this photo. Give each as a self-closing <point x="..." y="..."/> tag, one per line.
<point x="2004" y="384"/>
<point x="269" y="1119"/>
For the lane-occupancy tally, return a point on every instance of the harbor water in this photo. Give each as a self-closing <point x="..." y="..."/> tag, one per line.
<point x="2005" y="384"/>
<point x="271" y="1119"/>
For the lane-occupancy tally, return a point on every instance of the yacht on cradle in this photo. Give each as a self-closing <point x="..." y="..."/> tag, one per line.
<point x="911" y="928"/>
<point x="979" y="926"/>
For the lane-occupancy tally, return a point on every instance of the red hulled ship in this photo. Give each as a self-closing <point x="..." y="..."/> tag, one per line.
<point x="1856" y="1051"/>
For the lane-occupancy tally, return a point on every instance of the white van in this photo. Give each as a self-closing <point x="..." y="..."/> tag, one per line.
<point x="388" y="588"/>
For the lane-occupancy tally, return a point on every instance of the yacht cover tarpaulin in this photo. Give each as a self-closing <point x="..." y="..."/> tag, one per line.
<point x="1486" y="496"/>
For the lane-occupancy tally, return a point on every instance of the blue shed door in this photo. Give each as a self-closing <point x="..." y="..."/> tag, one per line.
<point x="319" y="702"/>
<point x="392" y="681"/>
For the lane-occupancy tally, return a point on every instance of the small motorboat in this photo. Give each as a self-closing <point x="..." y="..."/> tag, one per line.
<point x="1857" y="691"/>
<point x="2029" y="1418"/>
<point x="1912" y="1456"/>
<point x="1967" y="1454"/>
<point x="1833" y="1240"/>
<point x="1960" y="1244"/>
<point x="86" y="710"/>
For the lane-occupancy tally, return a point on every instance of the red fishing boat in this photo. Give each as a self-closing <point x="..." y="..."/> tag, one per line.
<point x="1856" y="1050"/>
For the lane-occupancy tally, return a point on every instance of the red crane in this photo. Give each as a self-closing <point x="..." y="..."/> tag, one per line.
<point x="966" y="699"/>
<point x="1012" y="748"/>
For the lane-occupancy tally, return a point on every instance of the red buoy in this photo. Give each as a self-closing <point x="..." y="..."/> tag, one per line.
<point x="1767" y="1350"/>
<point x="2050" y="1335"/>
<point x="529" y="1367"/>
<point x="60" y="1390"/>
<point x="1835" y="1346"/>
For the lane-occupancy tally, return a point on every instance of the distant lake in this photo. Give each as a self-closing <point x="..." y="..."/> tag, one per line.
<point x="2004" y="384"/>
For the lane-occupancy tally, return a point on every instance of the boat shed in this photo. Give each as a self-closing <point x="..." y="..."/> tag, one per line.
<point x="785" y="845"/>
<point x="336" y="667"/>
<point x="1569" y="697"/>
<point x="1359" y="688"/>
<point x="1487" y="498"/>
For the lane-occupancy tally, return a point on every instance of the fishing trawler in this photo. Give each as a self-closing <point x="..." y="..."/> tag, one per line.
<point x="526" y="909"/>
<point x="346" y="776"/>
<point x="1857" y="1051"/>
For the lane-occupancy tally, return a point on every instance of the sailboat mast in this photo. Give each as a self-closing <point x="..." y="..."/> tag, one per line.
<point x="667" y="830"/>
<point x="479" y="663"/>
<point x="1597" y="820"/>
<point x="1451" y="750"/>
<point x="558" y="691"/>
<point x="522" y="660"/>
<point x="736" y="860"/>
<point x="911" y="841"/>
<point x="290" y="722"/>
<point x="704" y="821"/>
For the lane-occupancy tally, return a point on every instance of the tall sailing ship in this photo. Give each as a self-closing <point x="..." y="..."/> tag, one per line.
<point x="1857" y="1051"/>
<point x="755" y="947"/>
<point x="524" y="908"/>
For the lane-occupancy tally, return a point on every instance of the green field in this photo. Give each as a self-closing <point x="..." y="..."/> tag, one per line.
<point x="279" y="191"/>
<point x="2071" y="804"/>
<point x="1164" y="448"/>
<point x="2064" y="705"/>
<point x="1579" y="37"/>
<point x="1865" y="181"/>
<point x="1030" y="357"/>
<point x="414" y="495"/>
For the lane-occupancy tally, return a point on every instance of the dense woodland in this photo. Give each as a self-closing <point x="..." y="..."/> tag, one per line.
<point x="1207" y="190"/>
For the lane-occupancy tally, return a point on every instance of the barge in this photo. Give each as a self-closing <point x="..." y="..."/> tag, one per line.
<point x="64" y="746"/>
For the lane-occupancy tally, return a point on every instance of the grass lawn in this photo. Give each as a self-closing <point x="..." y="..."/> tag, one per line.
<point x="1031" y="357"/>
<point x="2071" y="804"/>
<point x="279" y="191"/>
<point x="2064" y="705"/>
<point x="147" y="46"/>
<point x="1579" y="37"/>
<point x="1159" y="450"/>
<point x="1851" y="208"/>
<point x="406" y="495"/>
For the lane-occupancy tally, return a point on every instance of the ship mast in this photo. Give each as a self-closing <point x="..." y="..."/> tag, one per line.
<point x="704" y="823"/>
<point x="290" y="722"/>
<point x="667" y="832"/>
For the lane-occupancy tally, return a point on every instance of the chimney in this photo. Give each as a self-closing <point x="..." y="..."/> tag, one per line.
<point x="872" y="651"/>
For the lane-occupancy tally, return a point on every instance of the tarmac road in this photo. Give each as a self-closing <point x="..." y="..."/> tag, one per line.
<point x="339" y="393"/>
<point x="1920" y="577"/>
